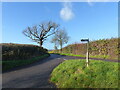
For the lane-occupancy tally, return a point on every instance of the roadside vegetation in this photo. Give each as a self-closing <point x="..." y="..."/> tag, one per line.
<point x="75" y="74"/>
<point x="14" y="55"/>
<point x="103" y="48"/>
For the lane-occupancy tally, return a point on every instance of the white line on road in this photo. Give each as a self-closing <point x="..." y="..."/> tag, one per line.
<point x="64" y="59"/>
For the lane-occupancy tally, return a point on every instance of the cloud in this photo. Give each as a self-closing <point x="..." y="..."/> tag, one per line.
<point x="92" y="2"/>
<point x="66" y="12"/>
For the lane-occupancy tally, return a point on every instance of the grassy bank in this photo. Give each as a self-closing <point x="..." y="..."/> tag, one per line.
<point x="74" y="74"/>
<point x="9" y="64"/>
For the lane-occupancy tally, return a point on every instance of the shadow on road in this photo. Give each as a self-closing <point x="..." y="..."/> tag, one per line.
<point x="51" y="57"/>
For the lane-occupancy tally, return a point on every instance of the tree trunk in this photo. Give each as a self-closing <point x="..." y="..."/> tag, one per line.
<point x="61" y="48"/>
<point x="41" y="43"/>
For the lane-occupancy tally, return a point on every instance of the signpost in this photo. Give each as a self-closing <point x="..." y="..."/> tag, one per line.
<point x="87" y="54"/>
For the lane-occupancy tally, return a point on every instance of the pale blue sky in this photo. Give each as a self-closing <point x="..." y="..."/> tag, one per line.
<point x="81" y="20"/>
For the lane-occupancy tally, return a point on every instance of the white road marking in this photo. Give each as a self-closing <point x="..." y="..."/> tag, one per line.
<point x="63" y="58"/>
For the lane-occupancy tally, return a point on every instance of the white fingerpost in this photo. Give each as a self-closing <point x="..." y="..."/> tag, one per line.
<point x="87" y="53"/>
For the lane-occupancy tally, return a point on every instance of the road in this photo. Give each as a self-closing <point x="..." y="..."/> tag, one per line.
<point x="34" y="75"/>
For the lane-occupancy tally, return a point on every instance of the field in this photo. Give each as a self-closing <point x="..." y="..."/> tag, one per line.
<point x="75" y="74"/>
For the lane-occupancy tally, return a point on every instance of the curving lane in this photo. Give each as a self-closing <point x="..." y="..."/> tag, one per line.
<point x="35" y="75"/>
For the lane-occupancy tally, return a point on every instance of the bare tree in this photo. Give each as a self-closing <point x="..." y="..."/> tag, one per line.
<point x="55" y="41"/>
<point x="60" y="38"/>
<point x="39" y="33"/>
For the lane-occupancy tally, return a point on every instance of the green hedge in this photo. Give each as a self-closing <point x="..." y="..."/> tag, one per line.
<point x="12" y="51"/>
<point x="107" y="48"/>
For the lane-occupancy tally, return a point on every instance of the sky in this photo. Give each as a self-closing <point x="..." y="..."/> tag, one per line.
<point x="93" y="20"/>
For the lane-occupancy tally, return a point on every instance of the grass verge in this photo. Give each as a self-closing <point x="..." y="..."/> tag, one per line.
<point x="6" y="65"/>
<point x="74" y="74"/>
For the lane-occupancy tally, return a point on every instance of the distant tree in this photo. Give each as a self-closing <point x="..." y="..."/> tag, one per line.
<point x="55" y="41"/>
<point x="39" y="33"/>
<point x="60" y="38"/>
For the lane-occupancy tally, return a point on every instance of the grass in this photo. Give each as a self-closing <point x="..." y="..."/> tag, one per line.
<point x="75" y="74"/>
<point x="9" y="64"/>
<point x="95" y="56"/>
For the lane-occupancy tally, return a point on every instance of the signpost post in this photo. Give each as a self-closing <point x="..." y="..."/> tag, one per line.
<point x="87" y="54"/>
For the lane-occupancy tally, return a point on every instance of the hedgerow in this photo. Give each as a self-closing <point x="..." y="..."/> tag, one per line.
<point x="105" y="48"/>
<point x="12" y="51"/>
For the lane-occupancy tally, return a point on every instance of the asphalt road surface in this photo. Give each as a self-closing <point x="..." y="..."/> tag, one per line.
<point x="35" y="75"/>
